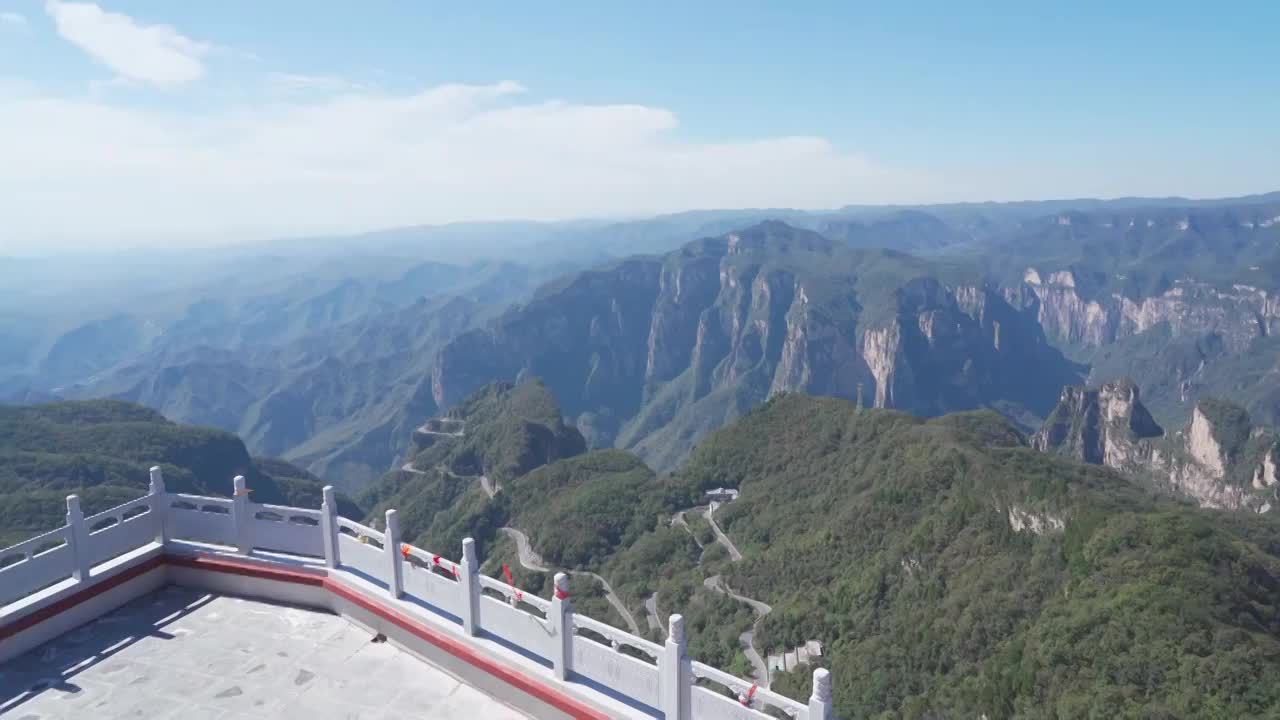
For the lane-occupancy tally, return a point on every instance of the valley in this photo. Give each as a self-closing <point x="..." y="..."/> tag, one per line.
<point x="962" y="477"/>
<point x="630" y="361"/>
<point x="882" y="538"/>
<point x="997" y="306"/>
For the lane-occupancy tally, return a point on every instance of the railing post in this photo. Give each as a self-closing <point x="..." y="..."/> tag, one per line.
<point x="391" y="545"/>
<point x="159" y="506"/>
<point x="675" y="673"/>
<point x="470" y="582"/>
<point x="241" y="516"/>
<point x="820" y="701"/>
<point x="329" y="526"/>
<point x="561" y="617"/>
<point x="78" y="539"/>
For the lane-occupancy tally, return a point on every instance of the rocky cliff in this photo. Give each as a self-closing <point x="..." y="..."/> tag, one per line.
<point x="1184" y="300"/>
<point x="1102" y="426"/>
<point x="1238" y="314"/>
<point x="1218" y="459"/>
<point x="651" y="353"/>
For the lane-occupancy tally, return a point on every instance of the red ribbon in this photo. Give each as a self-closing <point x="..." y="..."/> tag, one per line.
<point x="435" y="559"/>
<point x="404" y="550"/>
<point x="750" y="693"/>
<point x="512" y="583"/>
<point x="561" y="594"/>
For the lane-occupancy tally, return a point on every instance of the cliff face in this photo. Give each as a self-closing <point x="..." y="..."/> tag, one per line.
<point x="1237" y="315"/>
<point x="1102" y="426"/>
<point x="1218" y="459"/>
<point x="651" y="353"/>
<point x="1185" y="340"/>
<point x="586" y="338"/>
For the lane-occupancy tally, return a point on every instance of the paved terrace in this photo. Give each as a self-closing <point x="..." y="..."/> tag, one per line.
<point x="192" y="655"/>
<point x="145" y="609"/>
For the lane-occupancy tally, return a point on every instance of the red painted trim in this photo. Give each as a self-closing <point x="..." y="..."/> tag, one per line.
<point x="519" y="680"/>
<point x="231" y="566"/>
<point x="66" y="603"/>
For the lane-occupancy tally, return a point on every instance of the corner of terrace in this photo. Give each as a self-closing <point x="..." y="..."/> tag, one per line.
<point x="528" y="653"/>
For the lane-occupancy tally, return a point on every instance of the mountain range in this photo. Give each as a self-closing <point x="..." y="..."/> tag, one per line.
<point x="327" y="352"/>
<point x="651" y="352"/>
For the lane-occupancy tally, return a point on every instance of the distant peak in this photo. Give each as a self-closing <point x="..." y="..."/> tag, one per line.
<point x="775" y="235"/>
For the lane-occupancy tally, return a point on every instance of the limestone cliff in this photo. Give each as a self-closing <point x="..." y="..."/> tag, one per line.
<point x="1218" y="459"/>
<point x="1102" y="426"/>
<point x="1238" y="314"/>
<point x="651" y="353"/>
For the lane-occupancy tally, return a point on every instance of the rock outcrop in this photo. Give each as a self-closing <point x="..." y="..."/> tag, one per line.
<point x="651" y="353"/>
<point x="1102" y="425"/>
<point x="1238" y="315"/>
<point x="1218" y="459"/>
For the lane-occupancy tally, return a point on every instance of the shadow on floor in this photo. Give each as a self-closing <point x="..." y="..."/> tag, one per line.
<point x="55" y="664"/>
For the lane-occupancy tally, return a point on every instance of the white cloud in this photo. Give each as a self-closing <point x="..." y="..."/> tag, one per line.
<point x="154" y="54"/>
<point x="292" y="83"/>
<point x="89" y="169"/>
<point x="13" y="20"/>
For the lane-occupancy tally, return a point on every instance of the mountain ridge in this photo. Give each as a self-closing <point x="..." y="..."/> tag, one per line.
<point x="103" y="450"/>
<point x="681" y="343"/>
<point x="945" y="567"/>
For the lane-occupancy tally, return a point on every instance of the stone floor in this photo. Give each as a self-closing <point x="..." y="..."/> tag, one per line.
<point x="187" y="654"/>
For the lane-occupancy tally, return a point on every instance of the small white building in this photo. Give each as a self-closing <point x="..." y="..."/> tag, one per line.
<point x="723" y="495"/>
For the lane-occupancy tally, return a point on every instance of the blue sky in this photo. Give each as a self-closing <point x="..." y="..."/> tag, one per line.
<point x="214" y="122"/>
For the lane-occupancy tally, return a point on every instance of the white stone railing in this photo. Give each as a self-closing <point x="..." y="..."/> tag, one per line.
<point x="603" y="658"/>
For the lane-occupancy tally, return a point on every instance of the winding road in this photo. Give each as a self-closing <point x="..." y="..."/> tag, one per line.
<point x="531" y="560"/>
<point x="715" y="583"/>
<point x="651" y="612"/>
<point x="678" y="519"/>
<point x="747" y="640"/>
<point x="724" y="540"/>
<point x="490" y="487"/>
<point x="423" y="429"/>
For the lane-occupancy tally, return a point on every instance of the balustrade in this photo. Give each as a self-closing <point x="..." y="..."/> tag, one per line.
<point x="576" y="648"/>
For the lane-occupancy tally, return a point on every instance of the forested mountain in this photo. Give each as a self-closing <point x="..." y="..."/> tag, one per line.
<point x="955" y="572"/>
<point x="946" y="568"/>
<point x="103" y="450"/>
<point x="459" y="461"/>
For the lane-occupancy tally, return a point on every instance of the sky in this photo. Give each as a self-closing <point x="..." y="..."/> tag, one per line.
<point x="140" y="122"/>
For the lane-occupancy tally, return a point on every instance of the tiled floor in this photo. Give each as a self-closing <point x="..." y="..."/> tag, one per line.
<point x="190" y="655"/>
